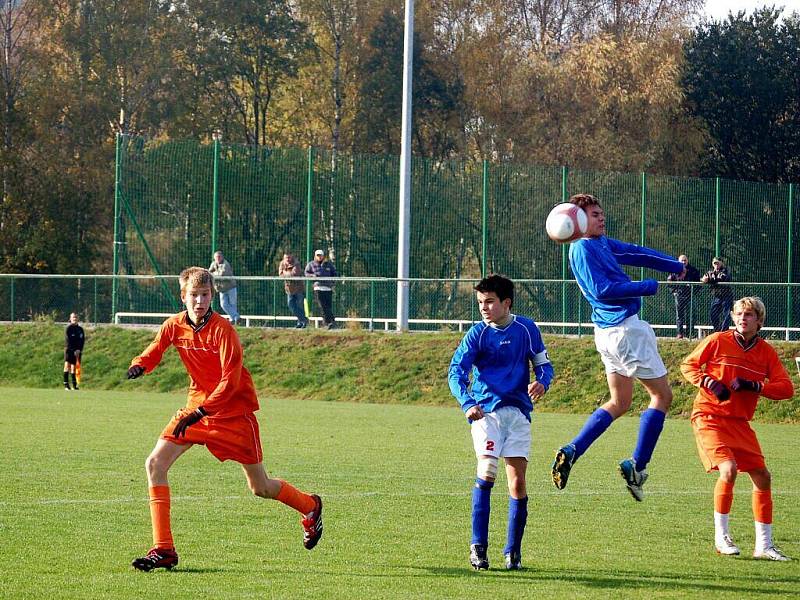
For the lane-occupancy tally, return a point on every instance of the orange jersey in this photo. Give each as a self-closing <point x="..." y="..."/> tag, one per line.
<point x="212" y="355"/>
<point x="721" y="356"/>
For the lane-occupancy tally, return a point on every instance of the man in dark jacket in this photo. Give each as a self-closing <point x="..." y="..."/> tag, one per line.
<point x="722" y="295"/>
<point x="684" y="296"/>
<point x="324" y="270"/>
<point x="73" y="347"/>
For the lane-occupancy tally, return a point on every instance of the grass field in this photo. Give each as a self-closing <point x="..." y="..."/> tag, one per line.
<point x="396" y="481"/>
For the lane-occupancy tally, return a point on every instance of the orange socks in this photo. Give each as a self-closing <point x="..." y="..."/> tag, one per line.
<point x="159" y="515"/>
<point x="762" y="506"/>
<point x="723" y="497"/>
<point x="291" y="496"/>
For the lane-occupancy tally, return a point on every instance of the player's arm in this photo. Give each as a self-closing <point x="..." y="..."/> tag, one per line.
<point x="779" y="385"/>
<point x="231" y="359"/>
<point x="149" y="359"/>
<point x="460" y="367"/>
<point x="542" y="367"/>
<point x="642" y="256"/>
<point x="591" y="273"/>
<point x="693" y="370"/>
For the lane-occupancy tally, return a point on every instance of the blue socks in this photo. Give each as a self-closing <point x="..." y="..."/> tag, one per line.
<point x="594" y="427"/>
<point x="517" y="517"/>
<point x="481" y="495"/>
<point x="650" y="425"/>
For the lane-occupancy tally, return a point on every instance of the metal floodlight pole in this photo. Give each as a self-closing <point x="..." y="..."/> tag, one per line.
<point x="404" y="224"/>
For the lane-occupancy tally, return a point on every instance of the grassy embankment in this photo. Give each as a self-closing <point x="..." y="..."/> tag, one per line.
<point x="351" y="366"/>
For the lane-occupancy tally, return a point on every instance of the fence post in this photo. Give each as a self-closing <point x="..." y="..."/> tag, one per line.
<point x="484" y="213"/>
<point x="215" y="203"/>
<point x="371" y="305"/>
<point x="789" y="264"/>
<point x="716" y="216"/>
<point x="94" y="314"/>
<point x="564" y="198"/>
<point x="115" y="266"/>
<point x="309" y="197"/>
<point x="643" y="228"/>
<point x="13" y="300"/>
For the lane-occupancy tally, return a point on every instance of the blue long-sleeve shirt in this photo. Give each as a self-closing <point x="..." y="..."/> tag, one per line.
<point x="614" y="297"/>
<point x="498" y="359"/>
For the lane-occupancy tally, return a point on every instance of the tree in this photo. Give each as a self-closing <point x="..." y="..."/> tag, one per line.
<point x="742" y="78"/>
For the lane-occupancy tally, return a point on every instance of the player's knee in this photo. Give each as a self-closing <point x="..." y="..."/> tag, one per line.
<point x="728" y="472"/>
<point x="487" y="468"/>
<point x="762" y="478"/>
<point x="154" y="465"/>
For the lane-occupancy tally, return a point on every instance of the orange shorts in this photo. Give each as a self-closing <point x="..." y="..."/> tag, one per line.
<point x="227" y="438"/>
<point x="724" y="438"/>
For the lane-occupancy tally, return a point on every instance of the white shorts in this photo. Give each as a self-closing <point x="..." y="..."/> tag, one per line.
<point x="505" y="432"/>
<point x="630" y="349"/>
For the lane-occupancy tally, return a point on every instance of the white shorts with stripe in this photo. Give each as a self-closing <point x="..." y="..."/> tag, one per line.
<point x="630" y="349"/>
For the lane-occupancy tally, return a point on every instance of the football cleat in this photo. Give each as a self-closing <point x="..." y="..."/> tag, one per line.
<point x="726" y="546"/>
<point x="771" y="553"/>
<point x="312" y="524"/>
<point x="514" y="561"/>
<point x="157" y="558"/>
<point x="565" y="458"/>
<point x="633" y="479"/>
<point x="478" y="557"/>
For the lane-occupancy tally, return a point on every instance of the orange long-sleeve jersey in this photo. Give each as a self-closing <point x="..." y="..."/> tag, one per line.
<point x="212" y="355"/>
<point x="723" y="357"/>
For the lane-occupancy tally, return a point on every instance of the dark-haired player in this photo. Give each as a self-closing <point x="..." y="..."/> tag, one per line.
<point x="498" y="353"/>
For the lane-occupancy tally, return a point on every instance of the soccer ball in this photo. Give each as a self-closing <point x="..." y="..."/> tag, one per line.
<point x="567" y="222"/>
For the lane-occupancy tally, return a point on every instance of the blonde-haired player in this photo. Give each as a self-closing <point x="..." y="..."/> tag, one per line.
<point x="218" y="414"/>
<point x="733" y="369"/>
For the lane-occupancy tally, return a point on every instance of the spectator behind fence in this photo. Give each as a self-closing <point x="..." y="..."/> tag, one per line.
<point x="295" y="293"/>
<point x="722" y="295"/>
<point x="323" y="288"/>
<point x="226" y="288"/>
<point x="73" y="348"/>
<point x="683" y="297"/>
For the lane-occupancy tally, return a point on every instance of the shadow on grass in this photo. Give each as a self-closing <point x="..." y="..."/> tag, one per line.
<point x="615" y="579"/>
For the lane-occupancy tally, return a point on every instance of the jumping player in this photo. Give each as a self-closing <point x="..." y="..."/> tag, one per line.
<point x="498" y="405"/>
<point x="733" y="368"/>
<point x="218" y="414"/>
<point x="627" y="345"/>
<point x="73" y="347"/>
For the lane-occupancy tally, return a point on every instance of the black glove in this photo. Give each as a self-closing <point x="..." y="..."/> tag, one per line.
<point x="717" y="388"/>
<point x="188" y="420"/>
<point x="135" y="371"/>
<point x="746" y="385"/>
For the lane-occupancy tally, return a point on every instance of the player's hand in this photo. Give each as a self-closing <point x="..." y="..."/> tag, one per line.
<point x="135" y="371"/>
<point x="740" y="384"/>
<point x="474" y="413"/>
<point x="717" y="388"/>
<point x="536" y="390"/>
<point x="187" y="421"/>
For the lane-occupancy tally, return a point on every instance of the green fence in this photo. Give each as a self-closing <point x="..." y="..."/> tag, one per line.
<point x="367" y="303"/>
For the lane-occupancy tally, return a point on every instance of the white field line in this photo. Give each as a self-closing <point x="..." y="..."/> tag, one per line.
<point x="130" y="499"/>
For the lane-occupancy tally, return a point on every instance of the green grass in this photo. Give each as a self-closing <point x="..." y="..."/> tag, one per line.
<point x="354" y="366"/>
<point x="396" y="480"/>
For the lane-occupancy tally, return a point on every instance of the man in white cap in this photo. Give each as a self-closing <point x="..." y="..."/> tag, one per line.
<point x="323" y="269"/>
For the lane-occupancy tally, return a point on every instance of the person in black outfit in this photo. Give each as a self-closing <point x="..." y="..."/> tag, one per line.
<point x="722" y="302"/>
<point x="683" y="297"/>
<point x="73" y="347"/>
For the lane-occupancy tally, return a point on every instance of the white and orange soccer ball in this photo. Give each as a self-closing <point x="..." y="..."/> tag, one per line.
<point x="566" y="223"/>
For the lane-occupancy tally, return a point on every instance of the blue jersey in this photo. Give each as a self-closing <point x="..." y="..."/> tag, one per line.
<point x="614" y="297"/>
<point x="499" y="359"/>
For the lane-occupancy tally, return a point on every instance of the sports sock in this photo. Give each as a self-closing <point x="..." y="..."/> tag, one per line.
<point x="720" y="525"/>
<point x="159" y="515"/>
<point x="650" y="425"/>
<point x="763" y="536"/>
<point x="74" y="381"/>
<point x="593" y="428"/>
<point x="723" y="497"/>
<point x="517" y="517"/>
<point x="66" y="378"/>
<point x="762" y="506"/>
<point x="481" y="496"/>
<point x="291" y="496"/>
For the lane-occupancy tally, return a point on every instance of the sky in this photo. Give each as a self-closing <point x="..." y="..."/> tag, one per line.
<point x="719" y="9"/>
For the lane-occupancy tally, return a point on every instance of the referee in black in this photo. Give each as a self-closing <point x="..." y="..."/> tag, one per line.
<point x="73" y="347"/>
